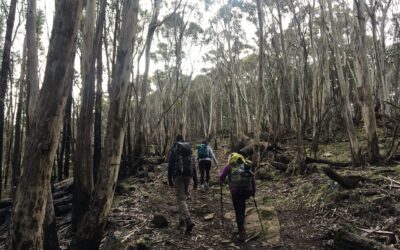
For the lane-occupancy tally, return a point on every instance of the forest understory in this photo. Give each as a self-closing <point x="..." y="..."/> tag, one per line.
<point x="308" y="211"/>
<point x="95" y="95"/>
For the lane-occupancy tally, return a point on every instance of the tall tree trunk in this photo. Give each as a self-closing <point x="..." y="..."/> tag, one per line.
<point x="32" y="193"/>
<point x="91" y="229"/>
<point x="317" y="88"/>
<point x="5" y="68"/>
<point x="67" y="127"/>
<point x="140" y="124"/>
<point x="50" y="237"/>
<point x="60" y="160"/>
<point x="83" y="157"/>
<point x="364" y="84"/>
<point x="259" y="92"/>
<point x="97" y="115"/>
<point x="344" y="94"/>
<point x="379" y="49"/>
<point x="211" y="113"/>
<point x="16" y="168"/>
<point x="9" y="129"/>
<point x="32" y="66"/>
<point x="283" y="90"/>
<point x="83" y="167"/>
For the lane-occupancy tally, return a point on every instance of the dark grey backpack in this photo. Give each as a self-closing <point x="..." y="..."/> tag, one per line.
<point x="184" y="164"/>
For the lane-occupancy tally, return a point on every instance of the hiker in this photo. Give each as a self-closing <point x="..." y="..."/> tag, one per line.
<point x="181" y="168"/>
<point x="204" y="155"/>
<point x="242" y="186"/>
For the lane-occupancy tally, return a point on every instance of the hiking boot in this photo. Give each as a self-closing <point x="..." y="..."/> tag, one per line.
<point x="201" y="188"/>
<point x="189" y="226"/>
<point x="206" y="185"/>
<point x="242" y="236"/>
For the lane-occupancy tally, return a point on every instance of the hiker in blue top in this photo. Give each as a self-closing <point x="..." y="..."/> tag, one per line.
<point x="205" y="156"/>
<point x="181" y="169"/>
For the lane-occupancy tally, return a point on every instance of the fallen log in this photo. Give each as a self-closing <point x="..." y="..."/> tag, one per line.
<point x="248" y="150"/>
<point x="331" y="163"/>
<point x="241" y="142"/>
<point x="61" y="210"/>
<point x="155" y="160"/>
<point x="347" y="182"/>
<point x="60" y="194"/>
<point x="279" y="166"/>
<point x="282" y="158"/>
<point x="264" y="147"/>
<point x="349" y="241"/>
<point x="65" y="185"/>
<point x="63" y="200"/>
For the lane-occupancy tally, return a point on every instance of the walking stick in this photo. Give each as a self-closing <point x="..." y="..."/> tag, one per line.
<point x="222" y="207"/>
<point x="258" y="213"/>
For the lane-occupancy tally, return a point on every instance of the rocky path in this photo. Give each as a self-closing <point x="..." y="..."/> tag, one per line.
<point x="144" y="214"/>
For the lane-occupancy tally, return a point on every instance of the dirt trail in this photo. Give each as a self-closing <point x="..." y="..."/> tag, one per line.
<point x="143" y="198"/>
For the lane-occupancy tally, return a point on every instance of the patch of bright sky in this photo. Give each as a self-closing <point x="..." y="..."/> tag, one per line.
<point x="192" y="63"/>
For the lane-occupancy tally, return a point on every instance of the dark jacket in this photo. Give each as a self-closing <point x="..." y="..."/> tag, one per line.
<point x="172" y="164"/>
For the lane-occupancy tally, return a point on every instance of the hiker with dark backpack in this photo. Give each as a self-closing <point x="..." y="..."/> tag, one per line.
<point x="242" y="186"/>
<point x="181" y="169"/>
<point x="205" y="155"/>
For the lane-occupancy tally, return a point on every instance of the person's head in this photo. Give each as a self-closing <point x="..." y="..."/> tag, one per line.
<point x="204" y="142"/>
<point x="179" y="137"/>
<point x="236" y="159"/>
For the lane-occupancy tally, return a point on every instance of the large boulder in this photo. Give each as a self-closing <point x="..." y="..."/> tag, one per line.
<point x="270" y="221"/>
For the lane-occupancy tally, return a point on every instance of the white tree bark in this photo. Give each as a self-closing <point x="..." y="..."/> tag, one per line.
<point x="31" y="197"/>
<point x="91" y="229"/>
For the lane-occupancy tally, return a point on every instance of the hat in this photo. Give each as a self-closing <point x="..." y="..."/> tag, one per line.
<point x="235" y="159"/>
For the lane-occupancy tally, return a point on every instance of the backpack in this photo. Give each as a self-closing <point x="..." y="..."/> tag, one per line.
<point x="202" y="151"/>
<point x="183" y="165"/>
<point x="241" y="177"/>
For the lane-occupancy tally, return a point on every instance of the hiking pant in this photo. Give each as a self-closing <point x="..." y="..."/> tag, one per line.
<point x="204" y="166"/>
<point x="181" y="184"/>
<point x="239" y="203"/>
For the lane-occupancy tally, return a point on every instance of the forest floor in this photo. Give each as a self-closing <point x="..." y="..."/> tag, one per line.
<point x="298" y="212"/>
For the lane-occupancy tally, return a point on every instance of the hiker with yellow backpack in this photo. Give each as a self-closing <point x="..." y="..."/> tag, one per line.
<point x="242" y="186"/>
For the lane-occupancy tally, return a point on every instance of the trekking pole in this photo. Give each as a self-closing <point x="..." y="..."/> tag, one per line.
<point x="258" y="213"/>
<point x="222" y="206"/>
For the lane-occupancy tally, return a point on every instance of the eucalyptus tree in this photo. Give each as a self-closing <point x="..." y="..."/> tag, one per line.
<point x="259" y="101"/>
<point x="91" y="228"/>
<point x="364" y="83"/>
<point x="83" y="157"/>
<point x="344" y="92"/>
<point x="32" y="193"/>
<point x="383" y="88"/>
<point x="32" y="61"/>
<point x="4" y="73"/>
<point x="83" y="163"/>
<point x="180" y="33"/>
<point x="16" y="156"/>
<point x="229" y="41"/>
